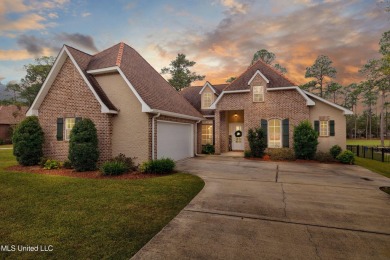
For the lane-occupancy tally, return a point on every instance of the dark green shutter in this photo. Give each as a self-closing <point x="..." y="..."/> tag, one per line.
<point x="264" y="125"/>
<point x="331" y="128"/>
<point x="78" y="119"/>
<point x="285" y="133"/>
<point x="317" y="126"/>
<point x="60" y="129"/>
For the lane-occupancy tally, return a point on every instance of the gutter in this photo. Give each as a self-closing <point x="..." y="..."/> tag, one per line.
<point x="153" y="119"/>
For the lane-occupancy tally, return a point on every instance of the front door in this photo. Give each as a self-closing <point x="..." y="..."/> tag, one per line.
<point x="236" y="131"/>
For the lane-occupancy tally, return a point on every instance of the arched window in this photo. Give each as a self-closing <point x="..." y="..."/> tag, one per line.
<point x="274" y="133"/>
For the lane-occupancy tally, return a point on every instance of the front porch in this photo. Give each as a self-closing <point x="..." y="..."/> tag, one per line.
<point x="230" y="133"/>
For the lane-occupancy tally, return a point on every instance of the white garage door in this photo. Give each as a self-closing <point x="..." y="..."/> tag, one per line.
<point x="174" y="140"/>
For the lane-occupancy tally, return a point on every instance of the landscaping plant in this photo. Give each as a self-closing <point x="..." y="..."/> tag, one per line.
<point x="305" y="141"/>
<point x="27" y="140"/>
<point x="324" y="157"/>
<point x="346" y="157"/>
<point x="52" y="164"/>
<point x="208" y="149"/>
<point x="160" y="166"/>
<point x="114" y="168"/>
<point x="257" y="141"/>
<point x="281" y="154"/>
<point x="335" y="151"/>
<point x="83" y="146"/>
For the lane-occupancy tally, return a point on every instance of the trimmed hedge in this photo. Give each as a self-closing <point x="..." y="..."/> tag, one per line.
<point x="114" y="168"/>
<point x="257" y="141"/>
<point x="305" y="141"/>
<point x="27" y="140"/>
<point x="160" y="166"/>
<point x="346" y="157"/>
<point x="281" y="154"/>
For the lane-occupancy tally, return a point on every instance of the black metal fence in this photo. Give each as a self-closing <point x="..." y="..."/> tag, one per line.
<point x="381" y="154"/>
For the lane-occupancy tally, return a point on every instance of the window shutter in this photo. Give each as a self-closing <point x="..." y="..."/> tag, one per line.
<point x="285" y="133"/>
<point x="60" y="129"/>
<point x="317" y="126"/>
<point x="264" y="125"/>
<point x="331" y="128"/>
<point x="78" y="119"/>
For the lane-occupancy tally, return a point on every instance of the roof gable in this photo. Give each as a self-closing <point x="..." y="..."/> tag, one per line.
<point x="208" y="85"/>
<point x="274" y="77"/>
<point x="12" y="114"/>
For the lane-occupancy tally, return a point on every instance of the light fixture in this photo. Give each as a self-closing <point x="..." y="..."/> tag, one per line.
<point x="235" y="115"/>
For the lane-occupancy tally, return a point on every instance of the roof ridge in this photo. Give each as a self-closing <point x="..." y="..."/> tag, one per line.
<point x="120" y="54"/>
<point x="277" y="71"/>
<point x="105" y="49"/>
<point x="77" y="50"/>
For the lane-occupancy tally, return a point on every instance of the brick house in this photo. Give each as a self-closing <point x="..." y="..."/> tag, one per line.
<point x="137" y="113"/>
<point x="10" y="116"/>
<point x="263" y="97"/>
<point x="135" y="110"/>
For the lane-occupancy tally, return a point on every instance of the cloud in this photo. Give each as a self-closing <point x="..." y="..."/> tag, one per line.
<point x="86" y="14"/>
<point x="32" y="44"/>
<point x="81" y="40"/>
<point x="16" y="55"/>
<point x="27" y="22"/>
<point x="235" y="6"/>
<point x="53" y="15"/>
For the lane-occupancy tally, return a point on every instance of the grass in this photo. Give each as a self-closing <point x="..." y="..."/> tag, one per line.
<point x="86" y="218"/>
<point x="366" y="142"/>
<point x="375" y="166"/>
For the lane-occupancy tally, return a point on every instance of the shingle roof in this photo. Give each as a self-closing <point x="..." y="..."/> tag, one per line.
<point x="12" y="114"/>
<point x="276" y="79"/>
<point x="83" y="60"/>
<point x="193" y="96"/>
<point x="153" y="89"/>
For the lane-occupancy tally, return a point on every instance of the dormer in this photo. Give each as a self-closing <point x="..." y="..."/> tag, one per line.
<point x="258" y="84"/>
<point x="208" y="95"/>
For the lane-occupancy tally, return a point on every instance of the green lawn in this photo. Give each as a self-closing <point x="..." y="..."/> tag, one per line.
<point x="374" y="142"/>
<point x="375" y="166"/>
<point x="86" y="218"/>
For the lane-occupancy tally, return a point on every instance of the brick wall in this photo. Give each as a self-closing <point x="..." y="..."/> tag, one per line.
<point x="279" y="104"/>
<point x="69" y="96"/>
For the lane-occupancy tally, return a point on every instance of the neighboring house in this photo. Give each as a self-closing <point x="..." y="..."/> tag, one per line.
<point x="135" y="110"/>
<point x="9" y="117"/>
<point x="263" y="97"/>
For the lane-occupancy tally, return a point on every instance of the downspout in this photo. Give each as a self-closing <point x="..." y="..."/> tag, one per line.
<point x="153" y="133"/>
<point x="196" y="138"/>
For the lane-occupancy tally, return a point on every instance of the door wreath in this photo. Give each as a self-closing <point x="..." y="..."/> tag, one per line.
<point x="238" y="133"/>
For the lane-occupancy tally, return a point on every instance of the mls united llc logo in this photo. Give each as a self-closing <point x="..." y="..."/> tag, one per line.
<point x="27" y="248"/>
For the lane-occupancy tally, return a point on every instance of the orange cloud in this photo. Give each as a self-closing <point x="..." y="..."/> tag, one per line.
<point x="21" y="54"/>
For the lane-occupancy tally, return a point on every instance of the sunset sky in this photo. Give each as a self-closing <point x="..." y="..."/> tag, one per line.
<point x="220" y="35"/>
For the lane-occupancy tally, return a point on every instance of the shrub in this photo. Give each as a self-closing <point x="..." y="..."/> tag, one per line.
<point x="128" y="161"/>
<point x="52" y="164"/>
<point x="42" y="161"/>
<point x="257" y="141"/>
<point x="324" y="157"/>
<point x="114" y="168"/>
<point x="28" y="141"/>
<point x="67" y="165"/>
<point x="346" y="157"/>
<point x="247" y="154"/>
<point x="1" y="141"/>
<point x="208" y="149"/>
<point x="335" y="151"/>
<point x="305" y="141"/>
<point x="160" y="166"/>
<point x="83" y="146"/>
<point x="281" y="154"/>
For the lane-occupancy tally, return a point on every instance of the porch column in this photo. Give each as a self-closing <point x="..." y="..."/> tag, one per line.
<point x="217" y="136"/>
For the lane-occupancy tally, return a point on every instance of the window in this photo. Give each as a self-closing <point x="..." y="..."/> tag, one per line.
<point x="207" y="99"/>
<point x="69" y="124"/>
<point x="324" y="128"/>
<point x="207" y="133"/>
<point x="274" y="133"/>
<point x="258" y="94"/>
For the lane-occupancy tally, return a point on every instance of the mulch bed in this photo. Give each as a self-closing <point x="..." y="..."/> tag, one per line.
<point x="73" y="173"/>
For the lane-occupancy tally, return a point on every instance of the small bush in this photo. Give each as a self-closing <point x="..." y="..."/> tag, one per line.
<point x="346" y="157"/>
<point x="247" y="154"/>
<point x="67" y="165"/>
<point x="42" y="161"/>
<point x="83" y="146"/>
<point x="128" y="161"/>
<point x="281" y="154"/>
<point x="52" y="164"/>
<point x="257" y="141"/>
<point x="324" y="157"/>
<point x="305" y="141"/>
<point x="1" y="141"/>
<point x="335" y="151"/>
<point x="208" y="149"/>
<point x="114" y="168"/>
<point x="160" y="166"/>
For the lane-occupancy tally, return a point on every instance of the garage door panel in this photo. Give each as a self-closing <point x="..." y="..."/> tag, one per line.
<point x="174" y="140"/>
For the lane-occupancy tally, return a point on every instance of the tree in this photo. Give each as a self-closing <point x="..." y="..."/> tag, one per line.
<point x="305" y="141"/>
<point x="13" y="87"/>
<point x="83" y="146"/>
<point x="181" y="76"/>
<point x="320" y="70"/>
<point x="351" y="97"/>
<point x="229" y="80"/>
<point x="28" y="141"/>
<point x="35" y="77"/>
<point x="333" y="89"/>
<point x="268" y="58"/>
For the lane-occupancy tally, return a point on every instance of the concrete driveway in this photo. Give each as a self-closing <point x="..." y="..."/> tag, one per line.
<point x="268" y="210"/>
